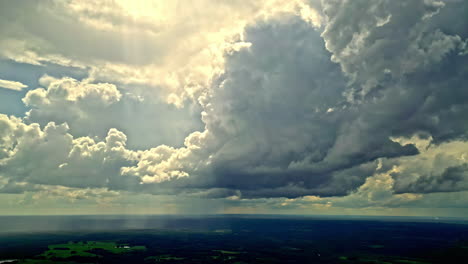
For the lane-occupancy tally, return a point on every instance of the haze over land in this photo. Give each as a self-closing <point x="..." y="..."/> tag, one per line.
<point x="349" y="107"/>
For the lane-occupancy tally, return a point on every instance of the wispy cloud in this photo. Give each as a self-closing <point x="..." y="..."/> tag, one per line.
<point x="12" y="85"/>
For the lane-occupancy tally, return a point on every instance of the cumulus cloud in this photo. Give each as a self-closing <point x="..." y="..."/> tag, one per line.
<point x="439" y="168"/>
<point x="12" y="85"/>
<point x="51" y="156"/>
<point x="70" y="98"/>
<point x="379" y="40"/>
<point x="91" y="108"/>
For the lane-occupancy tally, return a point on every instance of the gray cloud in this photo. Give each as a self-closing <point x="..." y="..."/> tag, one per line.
<point x="381" y="40"/>
<point x="407" y="61"/>
<point x="277" y="123"/>
<point x="280" y="133"/>
<point x="453" y="179"/>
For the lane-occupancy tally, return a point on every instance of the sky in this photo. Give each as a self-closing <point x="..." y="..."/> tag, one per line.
<point x="338" y="107"/>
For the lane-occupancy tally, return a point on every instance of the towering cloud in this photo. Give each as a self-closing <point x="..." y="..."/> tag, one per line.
<point x="278" y="125"/>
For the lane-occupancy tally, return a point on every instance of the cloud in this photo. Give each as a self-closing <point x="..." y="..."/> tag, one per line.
<point x="91" y="108"/>
<point x="51" y="156"/>
<point x="69" y="91"/>
<point x="438" y="168"/>
<point x="385" y="39"/>
<point x="364" y="107"/>
<point x="136" y="42"/>
<point x="268" y="131"/>
<point x="376" y="192"/>
<point x="12" y="85"/>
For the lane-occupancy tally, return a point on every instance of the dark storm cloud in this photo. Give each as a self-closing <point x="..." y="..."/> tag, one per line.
<point x="385" y="40"/>
<point x="451" y="180"/>
<point x="279" y="123"/>
<point x="287" y="130"/>
<point x="408" y="64"/>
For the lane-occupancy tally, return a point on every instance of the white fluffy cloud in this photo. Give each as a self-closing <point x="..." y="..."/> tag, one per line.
<point x="68" y="99"/>
<point x="12" y="85"/>
<point x="90" y="109"/>
<point x="51" y="156"/>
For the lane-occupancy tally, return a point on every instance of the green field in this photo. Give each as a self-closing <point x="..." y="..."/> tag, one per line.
<point x="60" y="253"/>
<point x="83" y="249"/>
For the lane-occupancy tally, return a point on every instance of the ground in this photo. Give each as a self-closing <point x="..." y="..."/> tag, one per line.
<point x="262" y="241"/>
